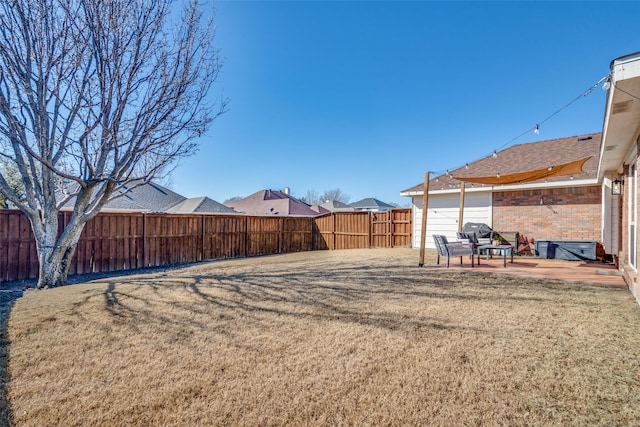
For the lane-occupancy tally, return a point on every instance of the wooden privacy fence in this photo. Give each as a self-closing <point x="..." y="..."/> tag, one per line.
<point x="125" y="241"/>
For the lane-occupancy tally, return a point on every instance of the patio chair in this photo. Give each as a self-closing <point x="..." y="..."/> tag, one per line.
<point x="470" y="237"/>
<point x="452" y="249"/>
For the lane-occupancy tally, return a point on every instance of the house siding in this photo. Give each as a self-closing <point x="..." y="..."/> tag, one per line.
<point x="629" y="273"/>
<point x="444" y="210"/>
<point x="571" y="213"/>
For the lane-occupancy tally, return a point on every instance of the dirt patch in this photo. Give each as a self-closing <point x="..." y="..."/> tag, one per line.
<point x="360" y="337"/>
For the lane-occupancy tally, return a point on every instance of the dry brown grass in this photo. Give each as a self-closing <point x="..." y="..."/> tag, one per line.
<point x="4" y="361"/>
<point x="361" y="337"/>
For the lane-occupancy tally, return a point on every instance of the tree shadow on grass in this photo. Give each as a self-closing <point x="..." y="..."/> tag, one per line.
<point x="7" y="298"/>
<point x="251" y="296"/>
<point x="332" y="292"/>
<point x="5" y="411"/>
<point x="323" y="293"/>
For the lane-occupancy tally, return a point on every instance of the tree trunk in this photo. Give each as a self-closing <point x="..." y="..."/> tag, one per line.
<point x="54" y="267"/>
<point x="55" y="254"/>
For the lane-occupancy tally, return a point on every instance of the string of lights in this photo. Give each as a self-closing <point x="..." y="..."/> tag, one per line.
<point x="605" y="81"/>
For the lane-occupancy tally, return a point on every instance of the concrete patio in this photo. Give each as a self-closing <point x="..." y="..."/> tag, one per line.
<point x="528" y="266"/>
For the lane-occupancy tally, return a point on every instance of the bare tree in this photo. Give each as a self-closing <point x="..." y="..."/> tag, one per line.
<point x="233" y="199"/>
<point x="311" y="197"/>
<point x="96" y="96"/>
<point x="12" y="175"/>
<point x="335" y="194"/>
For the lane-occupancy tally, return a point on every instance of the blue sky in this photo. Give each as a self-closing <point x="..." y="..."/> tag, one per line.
<point x="368" y="96"/>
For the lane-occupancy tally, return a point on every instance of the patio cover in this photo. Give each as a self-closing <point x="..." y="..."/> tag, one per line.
<point x="574" y="167"/>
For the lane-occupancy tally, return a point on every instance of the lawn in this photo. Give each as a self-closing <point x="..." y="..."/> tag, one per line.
<point x="360" y="337"/>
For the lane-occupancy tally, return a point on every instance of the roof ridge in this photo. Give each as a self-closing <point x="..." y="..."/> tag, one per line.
<point x="552" y="140"/>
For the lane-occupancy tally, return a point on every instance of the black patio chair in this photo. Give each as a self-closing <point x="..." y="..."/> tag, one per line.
<point x="470" y="237"/>
<point x="452" y="249"/>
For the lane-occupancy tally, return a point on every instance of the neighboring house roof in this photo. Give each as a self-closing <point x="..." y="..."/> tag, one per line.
<point x="146" y="197"/>
<point x="152" y="197"/>
<point x="370" y="203"/>
<point x="274" y="202"/>
<point x="523" y="158"/>
<point x="337" y="206"/>
<point x="200" y="205"/>
<point x="319" y="209"/>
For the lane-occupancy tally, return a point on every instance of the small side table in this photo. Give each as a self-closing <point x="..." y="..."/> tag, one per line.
<point x="502" y="249"/>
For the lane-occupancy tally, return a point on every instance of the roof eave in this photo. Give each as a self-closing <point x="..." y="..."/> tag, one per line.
<point x="512" y="187"/>
<point x="619" y="128"/>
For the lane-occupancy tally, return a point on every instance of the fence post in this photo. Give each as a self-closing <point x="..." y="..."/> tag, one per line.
<point x="335" y="219"/>
<point x="370" y="228"/>
<point x="425" y="209"/>
<point x="144" y="240"/>
<point x="280" y="234"/>
<point x="390" y="227"/>
<point x="246" y="236"/>
<point x="202" y="250"/>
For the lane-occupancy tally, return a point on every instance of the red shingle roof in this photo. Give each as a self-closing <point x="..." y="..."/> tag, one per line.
<point x="273" y="202"/>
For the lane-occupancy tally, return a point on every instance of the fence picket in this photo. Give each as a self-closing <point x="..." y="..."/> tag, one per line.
<point x="130" y="240"/>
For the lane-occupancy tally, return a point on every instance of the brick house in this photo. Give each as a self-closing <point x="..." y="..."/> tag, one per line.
<point x="568" y="207"/>
<point x="619" y="160"/>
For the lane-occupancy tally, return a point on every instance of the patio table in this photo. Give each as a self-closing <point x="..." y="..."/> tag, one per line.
<point x="502" y="249"/>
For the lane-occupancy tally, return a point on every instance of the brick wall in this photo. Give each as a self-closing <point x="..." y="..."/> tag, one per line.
<point x="554" y="213"/>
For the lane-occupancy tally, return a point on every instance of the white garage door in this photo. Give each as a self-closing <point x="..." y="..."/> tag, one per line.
<point x="443" y="214"/>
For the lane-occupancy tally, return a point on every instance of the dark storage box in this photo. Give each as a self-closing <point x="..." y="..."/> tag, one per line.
<point x="481" y="230"/>
<point x="572" y="250"/>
